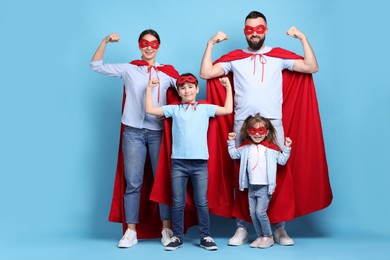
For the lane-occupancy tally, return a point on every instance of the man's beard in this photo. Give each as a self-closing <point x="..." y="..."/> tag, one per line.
<point x="255" y="46"/>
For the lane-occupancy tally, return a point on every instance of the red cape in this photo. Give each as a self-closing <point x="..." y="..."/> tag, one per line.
<point x="149" y="225"/>
<point x="303" y="183"/>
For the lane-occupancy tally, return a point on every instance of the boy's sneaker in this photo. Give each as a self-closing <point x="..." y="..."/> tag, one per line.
<point x="208" y="243"/>
<point x="174" y="244"/>
<point x="166" y="235"/>
<point x="129" y="239"/>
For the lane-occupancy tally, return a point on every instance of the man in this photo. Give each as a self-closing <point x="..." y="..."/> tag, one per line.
<point x="258" y="79"/>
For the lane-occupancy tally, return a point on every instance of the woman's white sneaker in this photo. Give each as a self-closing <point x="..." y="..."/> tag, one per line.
<point x="129" y="239"/>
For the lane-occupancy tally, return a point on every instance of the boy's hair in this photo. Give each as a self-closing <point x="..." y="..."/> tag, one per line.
<point x="149" y="31"/>
<point x="253" y="120"/>
<point x="186" y="75"/>
<point x="254" y="15"/>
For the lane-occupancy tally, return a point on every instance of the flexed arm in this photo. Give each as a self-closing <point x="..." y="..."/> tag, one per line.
<point x="309" y="62"/>
<point x="99" y="53"/>
<point x="207" y="69"/>
<point x="149" y="105"/>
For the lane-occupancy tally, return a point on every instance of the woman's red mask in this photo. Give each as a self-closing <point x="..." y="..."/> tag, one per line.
<point x="253" y="130"/>
<point x="145" y="43"/>
<point x="260" y="29"/>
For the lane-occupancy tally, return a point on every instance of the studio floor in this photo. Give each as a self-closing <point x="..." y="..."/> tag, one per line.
<point x="340" y="247"/>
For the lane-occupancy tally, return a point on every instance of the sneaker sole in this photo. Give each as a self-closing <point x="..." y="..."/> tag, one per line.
<point x="128" y="245"/>
<point x="284" y="244"/>
<point x="211" y="248"/>
<point x="172" y="248"/>
<point x="237" y="244"/>
<point x="265" y="247"/>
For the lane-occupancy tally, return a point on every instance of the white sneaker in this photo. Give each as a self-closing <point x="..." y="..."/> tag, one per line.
<point x="281" y="237"/>
<point x="265" y="242"/>
<point x="166" y="234"/>
<point x="239" y="238"/>
<point x="129" y="239"/>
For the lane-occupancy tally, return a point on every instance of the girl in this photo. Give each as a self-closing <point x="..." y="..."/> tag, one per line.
<point x="259" y="155"/>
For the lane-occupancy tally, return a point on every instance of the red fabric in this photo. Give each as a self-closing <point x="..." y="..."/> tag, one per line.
<point x="303" y="184"/>
<point x="149" y="217"/>
<point x="265" y="143"/>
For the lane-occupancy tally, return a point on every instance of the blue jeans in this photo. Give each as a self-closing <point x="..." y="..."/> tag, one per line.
<point x="182" y="169"/>
<point x="136" y="143"/>
<point x="258" y="199"/>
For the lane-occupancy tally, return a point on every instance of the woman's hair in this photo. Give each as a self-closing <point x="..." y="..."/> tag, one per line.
<point x="252" y="121"/>
<point x="151" y="32"/>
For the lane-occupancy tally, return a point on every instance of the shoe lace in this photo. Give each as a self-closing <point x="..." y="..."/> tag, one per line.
<point x="174" y="239"/>
<point x="208" y="239"/>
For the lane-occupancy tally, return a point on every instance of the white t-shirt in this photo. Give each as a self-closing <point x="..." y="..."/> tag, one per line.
<point x="258" y="84"/>
<point x="257" y="165"/>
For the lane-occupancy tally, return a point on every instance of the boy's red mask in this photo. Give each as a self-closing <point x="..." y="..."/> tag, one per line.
<point x="260" y="29"/>
<point x="253" y="130"/>
<point x="145" y="43"/>
<point x="183" y="79"/>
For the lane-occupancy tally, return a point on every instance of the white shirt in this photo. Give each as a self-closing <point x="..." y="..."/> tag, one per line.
<point x="257" y="165"/>
<point x="257" y="86"/>
<point x="136" y="79"/>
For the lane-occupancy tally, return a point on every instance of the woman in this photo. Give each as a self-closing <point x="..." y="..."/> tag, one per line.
<point x="141" y="136"/>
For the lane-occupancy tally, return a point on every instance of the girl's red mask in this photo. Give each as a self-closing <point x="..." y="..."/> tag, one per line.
<point x="253" y="130"/>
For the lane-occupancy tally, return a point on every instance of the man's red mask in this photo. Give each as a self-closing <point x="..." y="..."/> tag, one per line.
<point x="253" y="130"/>
<point x="145" y="43"/>
<point x="260" y="29"/>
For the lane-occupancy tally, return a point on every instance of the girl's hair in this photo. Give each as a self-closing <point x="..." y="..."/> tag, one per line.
<point x="149" y="31"/>
<point x="253" y="120"/>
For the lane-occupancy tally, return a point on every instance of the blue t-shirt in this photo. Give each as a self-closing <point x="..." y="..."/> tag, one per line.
<point x="189" y="129"/>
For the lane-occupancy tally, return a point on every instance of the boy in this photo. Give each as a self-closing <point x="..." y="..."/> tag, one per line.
<point x="190" y="121"/>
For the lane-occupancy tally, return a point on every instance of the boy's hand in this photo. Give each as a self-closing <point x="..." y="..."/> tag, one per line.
<point x="231" y="136"/>
<point x="225" y="82"/>
<point x="288" y="142"/>
<point x="153" y="82"/>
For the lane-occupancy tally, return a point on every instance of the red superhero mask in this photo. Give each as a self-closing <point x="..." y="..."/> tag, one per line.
<point x="260" y="29"/>
<point x="253" y="130"/>
<point x="145" y="43"/>
<point x="183" y="79"/>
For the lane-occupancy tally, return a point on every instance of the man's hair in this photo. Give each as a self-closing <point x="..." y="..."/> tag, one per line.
<point x="149" y="31"/>
<point x="254" y="15"/>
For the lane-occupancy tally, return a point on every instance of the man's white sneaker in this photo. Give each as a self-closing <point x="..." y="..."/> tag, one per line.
<point x="166" y="235"/>
<point x="129" y="239"/>
<point x="239" y="238"/>
<point x="281" y="237"/>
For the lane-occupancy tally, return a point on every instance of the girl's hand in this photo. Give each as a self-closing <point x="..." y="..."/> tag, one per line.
<point x="231" y="136"/>
<point x="288" y="142"/>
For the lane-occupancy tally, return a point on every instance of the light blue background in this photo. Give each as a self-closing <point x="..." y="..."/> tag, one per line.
<point x="60" y="121"/>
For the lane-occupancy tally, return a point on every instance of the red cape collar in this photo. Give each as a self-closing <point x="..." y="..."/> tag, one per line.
<point x="265" y="143"/>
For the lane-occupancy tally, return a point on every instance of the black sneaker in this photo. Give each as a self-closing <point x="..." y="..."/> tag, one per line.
<point x="208" y="243"/>
<point x="174" y="244"/>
